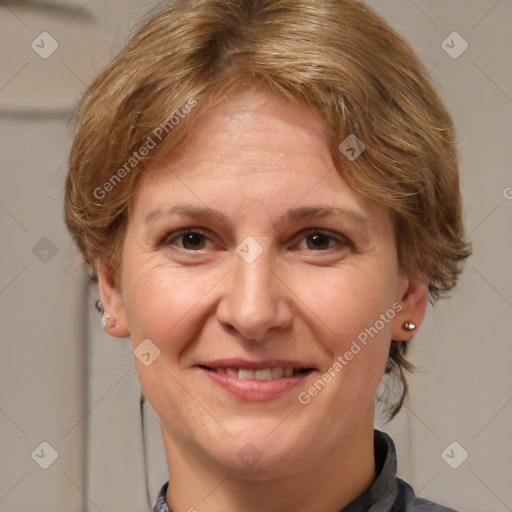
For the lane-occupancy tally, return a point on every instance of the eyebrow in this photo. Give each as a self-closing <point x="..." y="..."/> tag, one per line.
<point x="291" y="216"/>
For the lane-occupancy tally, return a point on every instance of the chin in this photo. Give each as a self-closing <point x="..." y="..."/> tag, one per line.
<point x="257" y="448"/>
<point x="258" y="462"/>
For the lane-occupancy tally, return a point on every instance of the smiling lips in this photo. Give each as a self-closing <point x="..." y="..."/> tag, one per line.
<point x="256" y="370"/>
<point x="277" y="372"/>
<point x="256" y="381"/>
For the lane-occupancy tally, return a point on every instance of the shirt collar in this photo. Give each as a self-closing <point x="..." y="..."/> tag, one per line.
<point x="379" y="497"/>
<point x="382" y="494"/>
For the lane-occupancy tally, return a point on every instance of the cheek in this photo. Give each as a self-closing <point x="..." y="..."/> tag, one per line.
<point x="353" y="311"/>
<point x="159" y="301"/>
<point x="349" y="303"/>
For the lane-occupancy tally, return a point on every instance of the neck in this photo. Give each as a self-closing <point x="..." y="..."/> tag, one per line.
<point x="326" y="481"/>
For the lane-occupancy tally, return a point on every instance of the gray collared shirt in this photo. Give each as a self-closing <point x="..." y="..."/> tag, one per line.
<point x="388" y="493"/>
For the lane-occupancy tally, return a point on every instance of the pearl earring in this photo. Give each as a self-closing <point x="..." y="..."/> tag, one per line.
<point x="409" y="326"/>
<point x="107" y="322"/>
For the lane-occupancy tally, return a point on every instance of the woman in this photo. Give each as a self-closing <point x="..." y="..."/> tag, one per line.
<point x="267" y="192"/>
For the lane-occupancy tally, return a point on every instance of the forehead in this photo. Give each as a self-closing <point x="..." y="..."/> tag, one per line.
<point x="256" y="129"/>
<point x="251" y="152"/>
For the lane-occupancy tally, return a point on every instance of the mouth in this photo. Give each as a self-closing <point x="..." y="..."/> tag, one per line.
<point x="255" y="381"/>
<point x="262" y="374"/>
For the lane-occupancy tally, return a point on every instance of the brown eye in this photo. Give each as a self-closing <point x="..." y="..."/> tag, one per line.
<point x="187" y="240"/>
<point x="318" y="241"/>
<point x="192" y="240"/>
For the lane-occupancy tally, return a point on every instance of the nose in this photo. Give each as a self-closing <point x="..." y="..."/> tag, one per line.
<point x="255" y="298"/>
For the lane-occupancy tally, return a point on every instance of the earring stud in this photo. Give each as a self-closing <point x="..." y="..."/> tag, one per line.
<point x="99" y="306"/>
<point x="107" y="322"/>
<point x="409" y="326"/>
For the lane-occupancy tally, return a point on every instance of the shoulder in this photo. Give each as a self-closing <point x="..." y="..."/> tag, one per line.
<point x="408" y="502"/>
<point x="420" y="505"/>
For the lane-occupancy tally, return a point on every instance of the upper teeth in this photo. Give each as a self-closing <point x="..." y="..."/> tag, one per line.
<point x="263" y="374"/>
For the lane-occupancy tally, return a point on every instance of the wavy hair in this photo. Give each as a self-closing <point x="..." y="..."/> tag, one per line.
<point x="337" y="57"/>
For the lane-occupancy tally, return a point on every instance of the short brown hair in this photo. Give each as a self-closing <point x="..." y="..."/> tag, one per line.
<point x="338" y="57"/>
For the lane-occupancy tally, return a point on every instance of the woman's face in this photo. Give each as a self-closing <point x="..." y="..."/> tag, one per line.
<point x="290" y="268"/>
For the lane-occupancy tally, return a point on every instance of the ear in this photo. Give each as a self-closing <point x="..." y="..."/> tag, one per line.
<point x="414" y="304"/>
<point x="112" y="300"/>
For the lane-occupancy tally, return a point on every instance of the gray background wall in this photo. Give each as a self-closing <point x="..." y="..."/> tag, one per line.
<point x="66" y="383"/>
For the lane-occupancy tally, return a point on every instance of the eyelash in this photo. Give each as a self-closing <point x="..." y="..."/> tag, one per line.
<point x="169" y="238"/>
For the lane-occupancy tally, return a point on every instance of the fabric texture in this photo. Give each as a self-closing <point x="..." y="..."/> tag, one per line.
<point x="388" y="493"/>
